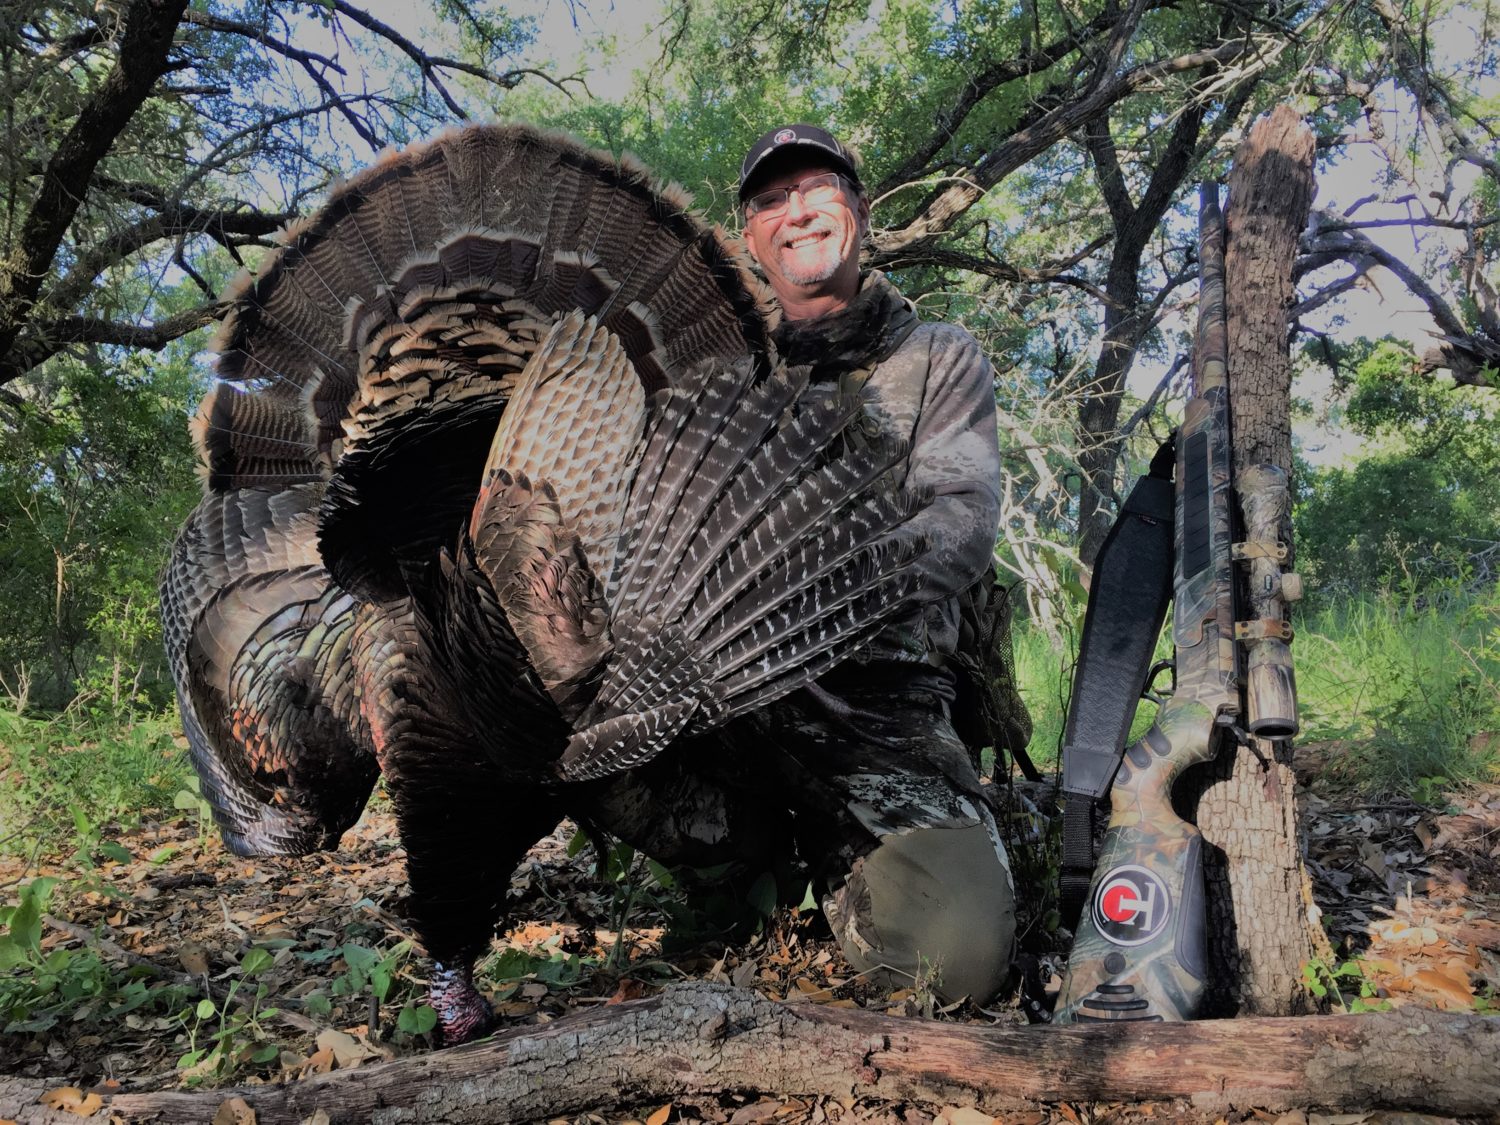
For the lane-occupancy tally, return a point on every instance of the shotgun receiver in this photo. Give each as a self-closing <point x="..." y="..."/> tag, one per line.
<point x="1141" y="941"/>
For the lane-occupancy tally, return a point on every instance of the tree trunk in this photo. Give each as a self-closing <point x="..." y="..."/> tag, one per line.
<point x="700" y="1039"/>
<point x="1263" y="923"/>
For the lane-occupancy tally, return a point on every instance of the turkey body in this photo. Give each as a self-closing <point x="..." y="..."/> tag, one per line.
<point x="504" y="492"/>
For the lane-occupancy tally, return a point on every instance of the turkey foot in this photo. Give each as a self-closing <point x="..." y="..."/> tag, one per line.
<point x="463" y="1013"/>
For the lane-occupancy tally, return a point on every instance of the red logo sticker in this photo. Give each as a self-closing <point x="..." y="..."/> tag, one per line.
<point x="1131" y="905"/>
<point x="785" y="135"/>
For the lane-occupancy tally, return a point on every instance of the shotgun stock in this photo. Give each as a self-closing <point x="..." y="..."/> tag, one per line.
<point x="1141" y="941"/>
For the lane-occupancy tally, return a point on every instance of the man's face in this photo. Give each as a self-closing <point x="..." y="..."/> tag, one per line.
<point x="808" y="250"/>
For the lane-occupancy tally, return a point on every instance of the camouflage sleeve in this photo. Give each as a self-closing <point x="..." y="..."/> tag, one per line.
<point x="956" y="454"/>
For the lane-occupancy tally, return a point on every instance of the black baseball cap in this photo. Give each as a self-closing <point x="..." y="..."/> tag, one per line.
<point x="806" y="137"/>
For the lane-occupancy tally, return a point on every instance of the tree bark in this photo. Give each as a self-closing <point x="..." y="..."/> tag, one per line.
<point x="1263" y="923"/>
<point x="700" y="1039"/>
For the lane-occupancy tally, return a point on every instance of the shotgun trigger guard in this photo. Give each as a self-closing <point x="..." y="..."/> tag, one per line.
<point x="1151" y="691"/>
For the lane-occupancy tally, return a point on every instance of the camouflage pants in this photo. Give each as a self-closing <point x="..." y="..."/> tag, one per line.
<point x="875" y="798"/>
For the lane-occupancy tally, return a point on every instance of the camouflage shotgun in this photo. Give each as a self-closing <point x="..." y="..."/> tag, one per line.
<point x="1140" y="946"/>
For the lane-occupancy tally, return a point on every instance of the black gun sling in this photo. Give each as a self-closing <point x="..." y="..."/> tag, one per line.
<point x="1128" y="600"/>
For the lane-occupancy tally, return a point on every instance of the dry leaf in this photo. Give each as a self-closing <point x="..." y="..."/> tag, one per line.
<point x="1450" y="986"/>
<point x="194" y="958"/>
<point x="757" y="1111"/>
<point x="659" y="1116"/>
<point x="73" y="1100"/>
<point x="964" y="1115"/>
<point x="234" y="1111"/>
<point x="320" y="1061"/>
<point x="628" y="989"/>
<point x="318" y="1117"/>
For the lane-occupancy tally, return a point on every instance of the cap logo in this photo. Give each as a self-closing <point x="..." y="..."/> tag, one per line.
<point x="785" y="135"/>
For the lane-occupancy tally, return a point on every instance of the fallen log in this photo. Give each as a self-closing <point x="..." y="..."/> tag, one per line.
<point x="699" y="1038"/>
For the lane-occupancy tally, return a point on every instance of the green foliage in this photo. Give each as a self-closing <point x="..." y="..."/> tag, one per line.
<point x="1344" y="987"/>
<point x="1424" y="505"/>
<point x="67" y="778"/>
<point x="39" y="989"/>
<point x="1415" y="680"/>
<point x="227" y="1037"/>
<point x="1412" y="681"/>
<point x="96" y="473"/>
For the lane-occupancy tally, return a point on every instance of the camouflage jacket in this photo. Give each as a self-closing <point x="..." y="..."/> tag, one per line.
<point x="931" y="386"/>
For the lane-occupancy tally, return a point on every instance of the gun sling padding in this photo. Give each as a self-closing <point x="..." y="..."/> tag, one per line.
<point x="1127" y="604"/>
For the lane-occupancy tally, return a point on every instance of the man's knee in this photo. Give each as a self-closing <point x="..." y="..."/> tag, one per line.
<point x="934" y="903"/>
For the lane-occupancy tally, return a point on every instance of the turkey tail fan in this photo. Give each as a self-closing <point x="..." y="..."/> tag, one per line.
<point x="258" y="641"/>
<point x="750" y="561"/>
<point x="522" y="542"/>
<point x="574" y="421"/>
<point x="385" y="337"/>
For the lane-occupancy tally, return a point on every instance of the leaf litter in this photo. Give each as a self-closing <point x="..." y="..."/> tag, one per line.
<point x="1408" y="894"/>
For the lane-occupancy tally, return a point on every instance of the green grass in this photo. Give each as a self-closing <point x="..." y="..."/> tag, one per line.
<point x="1413" y="684"/>
<point x="66" y="776"/>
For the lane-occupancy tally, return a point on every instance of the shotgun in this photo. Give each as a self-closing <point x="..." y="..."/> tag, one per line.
<point x="1140" y="949"/>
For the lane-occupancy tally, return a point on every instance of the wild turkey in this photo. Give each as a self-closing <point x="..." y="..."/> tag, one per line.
<point x="504" y="492"/>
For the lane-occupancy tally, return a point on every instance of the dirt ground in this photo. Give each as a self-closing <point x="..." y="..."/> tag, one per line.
<point x="1410" y="897"/>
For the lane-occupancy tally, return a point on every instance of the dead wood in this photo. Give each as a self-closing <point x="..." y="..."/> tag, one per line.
<point x="701" y="1038"/>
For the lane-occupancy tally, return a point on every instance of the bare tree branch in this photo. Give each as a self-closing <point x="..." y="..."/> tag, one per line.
<point x="1471" y="357"/>
<point x="992" y="77"/>
<point x="144" y="45"/>
<point x="1016" y="149"/>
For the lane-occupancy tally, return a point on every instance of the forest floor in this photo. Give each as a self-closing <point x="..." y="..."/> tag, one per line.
<point x="1410" y="895"/>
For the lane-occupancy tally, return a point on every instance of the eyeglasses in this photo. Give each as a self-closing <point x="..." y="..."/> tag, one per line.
<point x="815" y="191"/>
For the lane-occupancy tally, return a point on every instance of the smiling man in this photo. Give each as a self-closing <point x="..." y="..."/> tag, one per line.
<point x="890" y="816"/>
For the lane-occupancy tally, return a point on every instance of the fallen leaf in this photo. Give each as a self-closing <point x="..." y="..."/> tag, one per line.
<point x="757" y="1111"/>
<point x="318" y="1117"/>
<point x="659" y="1116"/>
<point x="1450" y="986"/>
<point x="964" y="1115"/>
<point x="628" y="989"/>
<point x="347" y="1050"/>
<point x="73" y="1100"/>
<point x="234" y="1111"/>
<point x="194" y="958"/>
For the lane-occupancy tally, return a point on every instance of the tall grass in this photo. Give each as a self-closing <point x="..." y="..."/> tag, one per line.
<point x="1411" y="683"/>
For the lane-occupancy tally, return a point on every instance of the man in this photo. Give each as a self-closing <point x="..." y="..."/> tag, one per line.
<point x="863" y="771"/>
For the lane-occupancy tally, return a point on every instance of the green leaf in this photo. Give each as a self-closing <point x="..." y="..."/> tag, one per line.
<point x="762" y="894"/>
<point x="111" y="850"/>
<point x="416" y="1019"/>
<point x="264" y="1053"/>
<point x="26" y="925"/>
<point x="359" y="958"/>
<point x="12" y="954"/>
<point x="205" y="1009"/>
<point x="256" y="961"/>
